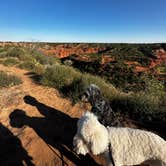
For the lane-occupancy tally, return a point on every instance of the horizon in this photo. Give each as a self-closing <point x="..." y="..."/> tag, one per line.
<point x="81" y="42"/>
<point x="112" y="21"/>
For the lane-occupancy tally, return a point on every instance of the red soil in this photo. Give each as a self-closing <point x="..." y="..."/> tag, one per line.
<point x="62" y="51"/>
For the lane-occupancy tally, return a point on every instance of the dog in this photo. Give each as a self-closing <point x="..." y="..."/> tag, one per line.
<point x="120" y="146"/>
<point x="100" y="106"/>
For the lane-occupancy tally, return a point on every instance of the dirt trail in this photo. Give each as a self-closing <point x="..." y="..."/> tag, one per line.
<point x="41" y="122"/>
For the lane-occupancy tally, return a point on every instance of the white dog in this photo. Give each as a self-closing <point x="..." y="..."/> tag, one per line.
<point x="120" y="146"/>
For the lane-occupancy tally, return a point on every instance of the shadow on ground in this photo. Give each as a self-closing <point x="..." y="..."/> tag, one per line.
<point x="12" y="153"/>
<point x="35" y="77"/>
<point x="55" y="128"/>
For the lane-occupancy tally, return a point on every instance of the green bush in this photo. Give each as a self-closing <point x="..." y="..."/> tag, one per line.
<point x="78" y="86"/>
<point x="7" y="80"/>
<point x="107" y="89"/>
<point x="15" y="52"/>
<point x="3" y="54"/>
<point x="39" y="69"/>
<point x="26" y="57"/>
<point x="1" y="49"/>
<point x="40" y="58"/>
<point x="161" y="68"/>
<point x="29" y="65"/>
<point x="10" y="61"/>
<point x="141" y="107"/>
<point x="147" y="105"/>
<point x="43" y="59"/>
<point x="58" y="76"/>
<point x="72" y="83"/>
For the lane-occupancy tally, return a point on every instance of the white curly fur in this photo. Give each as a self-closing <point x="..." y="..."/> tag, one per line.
<point x="128" y="146"/>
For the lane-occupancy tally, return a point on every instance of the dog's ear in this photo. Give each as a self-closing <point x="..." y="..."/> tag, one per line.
<point x="99" y="141"/>
<point x="93" y="133"/>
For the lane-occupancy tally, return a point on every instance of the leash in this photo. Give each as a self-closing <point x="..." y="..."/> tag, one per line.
<point x="110" y="154"/>
<point x="110" y="151"/>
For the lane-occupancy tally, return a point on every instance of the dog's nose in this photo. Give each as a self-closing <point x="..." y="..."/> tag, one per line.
<point x="84" y="98"/>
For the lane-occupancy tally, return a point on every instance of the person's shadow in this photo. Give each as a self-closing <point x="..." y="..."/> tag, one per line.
<point x="11" y="151"/>
<point x="55" y="128"/>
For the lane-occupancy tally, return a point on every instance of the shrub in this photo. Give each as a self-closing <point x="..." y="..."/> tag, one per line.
<point x="1" y="49"/>
<point x="58" y="76"/>
<point x="72" y="83"/>
<point x="163" y="45"/>
<point x="26" y="57"/>
<point x="144" y="105"/>
<point x="3" y="54"/>
<point x="39" y="69"/>
<point x="78" y="86"/>
<point x="43" y="59"/>
<point x="107" y="89"/>
<point x="15" y="52"/>
<point x="141" y="107"/>
<point x="40" y="58"/>
<point x="29" y="65"/>
<point x="7" y="80"/>
<point x="10" y="61"/>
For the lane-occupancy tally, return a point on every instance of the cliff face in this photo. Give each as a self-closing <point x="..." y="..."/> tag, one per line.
<point x="67" y="49"/>
<point x="160" y="57"/>
<point x="62" y="51"/>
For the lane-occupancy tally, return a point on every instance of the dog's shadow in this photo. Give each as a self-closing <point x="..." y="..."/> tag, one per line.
<point x="55" y="128"/>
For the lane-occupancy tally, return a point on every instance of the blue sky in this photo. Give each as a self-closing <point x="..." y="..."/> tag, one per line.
<point x="83" y="20"/>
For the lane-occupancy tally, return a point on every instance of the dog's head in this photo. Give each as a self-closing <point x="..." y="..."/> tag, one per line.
<point x="92" y="134"/>
<point x="91" y="93"/>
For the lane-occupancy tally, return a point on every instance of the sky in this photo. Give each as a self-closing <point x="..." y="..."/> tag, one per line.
<point x="113" y="21"/>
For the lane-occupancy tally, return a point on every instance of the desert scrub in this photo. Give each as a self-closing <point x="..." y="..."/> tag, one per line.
<point x="78" y="86"/>
<point x="25" y="57"/>
<point x="39" y="69"/>
<point x="107" y="89"/>
<point x="59" y="76"/>
<point x="3" y="54"/>
<point x="7" y="80"/>
<point x="42" y="59"/>
<point x="141" y="107"/>
<point x="147" y="105"/>
<point x="10" y="61"/>
<point x="72" y="83"/>
<point x="15" y="52"/>
<point x="28" y="65"/>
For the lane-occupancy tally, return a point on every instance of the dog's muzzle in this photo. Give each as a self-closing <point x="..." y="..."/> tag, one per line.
<point x="84" y="97"/>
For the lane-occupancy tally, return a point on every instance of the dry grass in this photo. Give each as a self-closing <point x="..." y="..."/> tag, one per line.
<point x="10" y="97"/>
<point x="7" y="80"/>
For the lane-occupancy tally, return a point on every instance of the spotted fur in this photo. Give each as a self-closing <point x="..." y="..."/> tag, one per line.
<point x="100" y="106"/>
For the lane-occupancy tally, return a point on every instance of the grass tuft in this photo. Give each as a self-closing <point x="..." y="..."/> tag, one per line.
<point x="10" y="61"/>
<point x="7" y="80"/>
